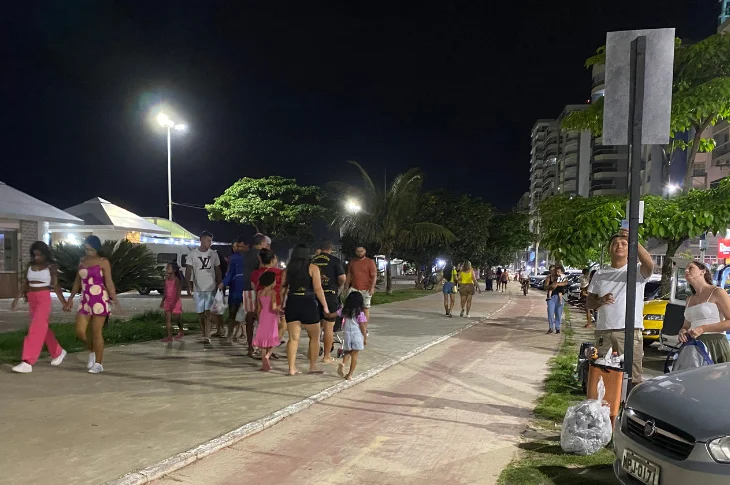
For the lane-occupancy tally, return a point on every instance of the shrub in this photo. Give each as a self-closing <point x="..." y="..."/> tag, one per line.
<point x="134" y="266"/>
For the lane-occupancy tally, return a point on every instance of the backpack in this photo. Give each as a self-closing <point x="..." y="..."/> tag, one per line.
<point x="690" y="355"/>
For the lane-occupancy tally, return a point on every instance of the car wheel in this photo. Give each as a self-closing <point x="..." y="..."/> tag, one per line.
<point x="144" y="291"/>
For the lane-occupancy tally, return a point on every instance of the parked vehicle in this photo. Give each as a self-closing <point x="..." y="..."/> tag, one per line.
<point x="676" y="430"/>
<point x="168" y="253"/>
<point x="536" y="281"/>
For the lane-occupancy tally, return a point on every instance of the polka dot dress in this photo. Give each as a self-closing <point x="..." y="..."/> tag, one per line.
<point x="94" y="297"/>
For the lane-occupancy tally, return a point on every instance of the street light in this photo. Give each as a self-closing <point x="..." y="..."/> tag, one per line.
<point x="672" y="188"/>
<point x="166" y="122"/>
<point x="352" y="206"/>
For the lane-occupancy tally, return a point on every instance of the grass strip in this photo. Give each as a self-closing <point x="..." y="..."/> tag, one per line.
<point x="143" y="328"/>
<point x="541" y="460"/>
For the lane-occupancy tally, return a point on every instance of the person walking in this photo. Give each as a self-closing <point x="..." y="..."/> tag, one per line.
<point x="504" y="280"/>
<point x="554" y="301"/>
<point x="449" y="288"/>
<point x="267" y="333"/>
<point x="333" y="279"/>
<point x="301" y="289"/>
<point x="94" y="280"/>
<point x="361" y="277"/>
<point x="251" y="263"/>
<point x="607" y="293"/>
<point x="355" y="331"/>
<point x="270" y="264"/>
<point x="40" y="277"/>
<point x="488" y="283"/>
<point x="203" y="264"/>
<point x="233" y="280"/>
<point x="468" y="284"/>
<point x="707" y="313"/>
<point x="172" y="301"/>
<point x="498" y="278"/>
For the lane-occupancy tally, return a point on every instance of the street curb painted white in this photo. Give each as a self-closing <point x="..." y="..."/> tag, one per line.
<point x="176" y="462"/>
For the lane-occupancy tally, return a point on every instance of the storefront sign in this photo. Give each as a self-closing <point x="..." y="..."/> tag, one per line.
<point x="723" y="248"/>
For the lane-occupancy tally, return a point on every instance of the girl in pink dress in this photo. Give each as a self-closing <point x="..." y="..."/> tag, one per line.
<point x="267" y="333"/>
<point x="94" y="280"/>
<point x="172" y="300"/>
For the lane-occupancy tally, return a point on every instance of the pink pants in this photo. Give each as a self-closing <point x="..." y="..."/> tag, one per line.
<point x="39" y="333"/>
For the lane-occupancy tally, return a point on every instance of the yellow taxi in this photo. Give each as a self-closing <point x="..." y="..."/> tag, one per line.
<point x="655" y="306"/>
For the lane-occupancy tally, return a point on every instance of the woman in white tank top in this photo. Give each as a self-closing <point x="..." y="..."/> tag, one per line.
<point x="40" y="278"/>
<point x="706" y="313"/>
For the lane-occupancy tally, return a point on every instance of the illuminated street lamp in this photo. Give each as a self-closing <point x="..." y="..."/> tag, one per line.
<point x="352" y="206"/>
<point x="166" y="122"/>
<point x="672" y="189"/>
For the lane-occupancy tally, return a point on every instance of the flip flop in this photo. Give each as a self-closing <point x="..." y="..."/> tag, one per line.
<point x="315" y="372"/>
<point x="292" y="375"/>
<point x="275" y="356"/>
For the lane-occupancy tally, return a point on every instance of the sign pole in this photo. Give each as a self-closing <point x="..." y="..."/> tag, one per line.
<point x="636" y="120"/>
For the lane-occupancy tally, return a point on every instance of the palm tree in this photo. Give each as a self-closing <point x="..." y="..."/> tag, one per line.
<point x="389" y="216"/>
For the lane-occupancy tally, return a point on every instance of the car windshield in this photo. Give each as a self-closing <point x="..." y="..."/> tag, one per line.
<point x="651" y="290"/>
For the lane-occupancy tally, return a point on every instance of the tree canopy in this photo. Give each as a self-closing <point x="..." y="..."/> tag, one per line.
<point x="700" y="96"/>
<point x="509" y="232"/>
<point x="391" y="216"/>
<point x="274" y="205"/>
<point x="574" y="228"/>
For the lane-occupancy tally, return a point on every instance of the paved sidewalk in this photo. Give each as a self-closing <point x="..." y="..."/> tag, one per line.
<point x="155" y="400"/>
<point x="450" y="415"/>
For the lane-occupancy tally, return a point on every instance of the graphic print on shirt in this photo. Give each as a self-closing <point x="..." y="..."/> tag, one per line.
<point x="204" y="262"/>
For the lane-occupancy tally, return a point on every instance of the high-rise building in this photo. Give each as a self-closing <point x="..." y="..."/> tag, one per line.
<point x="724" y="11"/>
<point x="609" y="164"/>
<point x="574" y="157"/>
<point x="537" y="161"/>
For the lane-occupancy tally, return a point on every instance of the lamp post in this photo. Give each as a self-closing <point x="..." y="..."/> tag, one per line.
<point x="166" y="122"/>
<point x="352" y="207"/>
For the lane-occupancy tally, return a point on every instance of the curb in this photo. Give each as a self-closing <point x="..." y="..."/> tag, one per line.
<point x="180" y="460"/>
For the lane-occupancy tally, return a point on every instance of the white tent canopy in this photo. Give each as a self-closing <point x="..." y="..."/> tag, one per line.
<point x="98" y="214"/>
<point x="15" y="204"/>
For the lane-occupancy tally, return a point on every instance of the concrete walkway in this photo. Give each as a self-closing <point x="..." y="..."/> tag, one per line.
<point x="156" y="400"/>
<point x="450" y="415"/>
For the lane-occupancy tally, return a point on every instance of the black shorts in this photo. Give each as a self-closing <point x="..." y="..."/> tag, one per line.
<point x="302" y="309"/>
<point x="333" y="304"/>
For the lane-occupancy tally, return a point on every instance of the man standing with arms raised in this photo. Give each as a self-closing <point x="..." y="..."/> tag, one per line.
<point x="204" y="266"/>
<point x="333" y="278"/>
<point x="607" y="292"/>
<point x="361" y="276"/>
<point x="250" y="264"/>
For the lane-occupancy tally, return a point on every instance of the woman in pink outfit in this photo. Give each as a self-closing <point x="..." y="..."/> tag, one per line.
<point x="42" y="275"/>
<point x="94" y="280"/>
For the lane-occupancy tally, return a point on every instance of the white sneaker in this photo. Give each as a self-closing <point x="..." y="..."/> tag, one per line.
<point x="92" y="360"/>
<point x="467" y="316"/>
<point x="58" y="360"/>
<point x="23" y="368"/>
<point x="96" y="369"/>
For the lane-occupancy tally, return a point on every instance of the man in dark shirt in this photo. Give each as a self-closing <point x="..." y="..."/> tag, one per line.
<point x="333" y="277"/>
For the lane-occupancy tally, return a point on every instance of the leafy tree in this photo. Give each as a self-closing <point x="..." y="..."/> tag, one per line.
<point x="574" y="226"/>
<point x="134" y="266"/>
<point x="390" y="217"/>
<point x="509" y="232"/>
<point x="466" y="216"/>
<point x="274" y="205"/>
<point x="700" y="96"/>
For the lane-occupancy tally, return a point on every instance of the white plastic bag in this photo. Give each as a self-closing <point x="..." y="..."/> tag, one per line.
<point x="219" y="304"/>
<point x="587" y="425"/>
<point x="241" y="315"/>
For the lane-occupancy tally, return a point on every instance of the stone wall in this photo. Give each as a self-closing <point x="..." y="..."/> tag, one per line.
<point x="28" y="235"/>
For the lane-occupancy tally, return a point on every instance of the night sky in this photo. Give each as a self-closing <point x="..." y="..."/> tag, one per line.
<point x="294" y="89"/>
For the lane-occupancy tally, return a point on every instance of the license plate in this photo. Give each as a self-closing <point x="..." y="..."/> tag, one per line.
<point x="639" y="468"/>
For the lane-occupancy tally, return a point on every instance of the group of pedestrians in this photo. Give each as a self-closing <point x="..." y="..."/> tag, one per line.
<point x="98" y="295"/>
<point x="462" y="279"/>
<point x="496" y="279"/>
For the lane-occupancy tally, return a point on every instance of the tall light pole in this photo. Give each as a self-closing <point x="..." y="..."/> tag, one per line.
<point x="166" y="122"/>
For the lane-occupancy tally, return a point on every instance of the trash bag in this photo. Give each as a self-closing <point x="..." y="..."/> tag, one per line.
<point x="693" y="353"/>
<point x="219" y="304"/>
<point x="587" y="425"/>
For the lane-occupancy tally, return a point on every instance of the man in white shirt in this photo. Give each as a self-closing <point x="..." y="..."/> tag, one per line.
<point x="607" y="292"/>
<point x="204" y="265"/>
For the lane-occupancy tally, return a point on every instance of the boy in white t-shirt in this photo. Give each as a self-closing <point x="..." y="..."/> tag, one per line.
<point x="204" y="266"/>
<point x="607" y="291"/>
